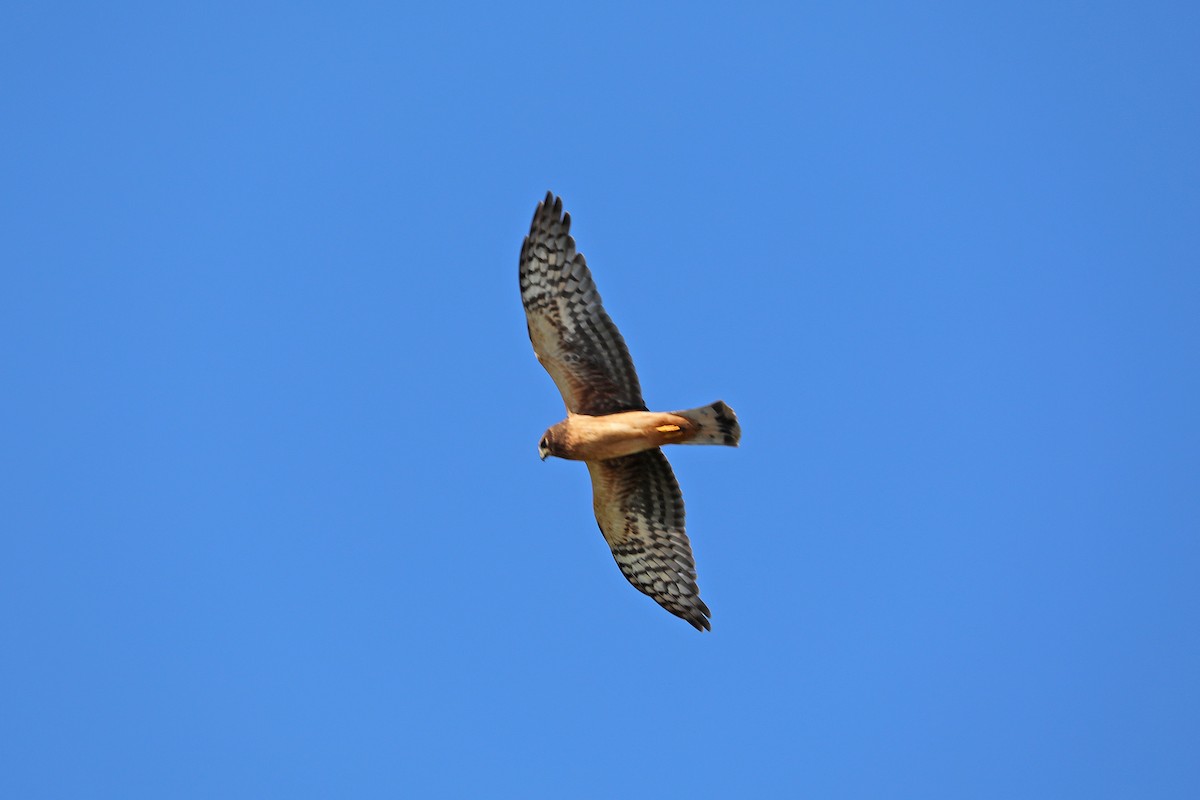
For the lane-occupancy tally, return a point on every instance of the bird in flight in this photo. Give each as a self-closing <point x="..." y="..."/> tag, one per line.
<point x="634" y="492"/>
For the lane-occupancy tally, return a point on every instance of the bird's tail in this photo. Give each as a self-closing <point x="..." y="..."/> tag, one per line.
<point x="716" y="422"/>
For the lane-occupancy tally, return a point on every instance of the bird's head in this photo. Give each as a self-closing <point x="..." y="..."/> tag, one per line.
<point x="548" y="445"/>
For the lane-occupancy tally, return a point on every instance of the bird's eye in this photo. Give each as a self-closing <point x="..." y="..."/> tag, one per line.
<point x="545" y="445"/>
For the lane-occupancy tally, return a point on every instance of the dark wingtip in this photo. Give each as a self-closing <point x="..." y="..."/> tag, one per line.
<point x="551" y="206"/>
<point x="696" y="616"/>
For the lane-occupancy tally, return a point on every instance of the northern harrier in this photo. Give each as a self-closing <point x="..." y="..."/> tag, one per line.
<point x="634" y="492"/>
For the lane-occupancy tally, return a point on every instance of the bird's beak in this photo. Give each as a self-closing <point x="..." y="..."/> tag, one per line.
<point x="542" y="453"/>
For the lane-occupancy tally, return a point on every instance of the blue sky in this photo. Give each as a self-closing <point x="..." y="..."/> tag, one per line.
<point x="274" y="521"/>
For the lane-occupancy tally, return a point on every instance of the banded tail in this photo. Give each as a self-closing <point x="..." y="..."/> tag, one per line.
<point x="717" y="424"/>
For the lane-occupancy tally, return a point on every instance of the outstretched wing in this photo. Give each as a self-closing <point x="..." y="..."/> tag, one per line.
<point x="572" y="336"/>
<point x="640" y="510"/>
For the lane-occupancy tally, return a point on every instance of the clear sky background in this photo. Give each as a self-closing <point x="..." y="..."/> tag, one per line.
<point x="273" y="519"/>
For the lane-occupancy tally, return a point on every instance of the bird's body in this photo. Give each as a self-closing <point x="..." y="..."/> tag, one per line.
<point x="581" y="437"/>
<point x="636" y="498"/>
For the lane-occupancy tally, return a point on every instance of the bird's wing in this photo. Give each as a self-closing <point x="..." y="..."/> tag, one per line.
<point x="573" y="337"/>
<point x="640" y="510"/>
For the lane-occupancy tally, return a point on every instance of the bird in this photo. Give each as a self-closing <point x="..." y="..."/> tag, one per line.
<point x="635" y="495"/>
